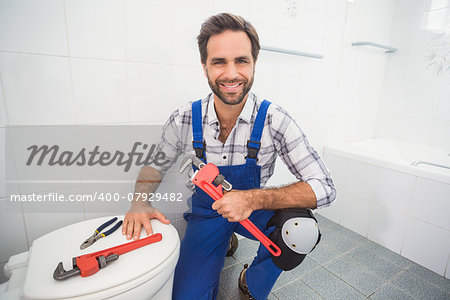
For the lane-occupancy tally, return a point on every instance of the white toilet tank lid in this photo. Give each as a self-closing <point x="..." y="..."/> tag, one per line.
<point x="63" y="244"/>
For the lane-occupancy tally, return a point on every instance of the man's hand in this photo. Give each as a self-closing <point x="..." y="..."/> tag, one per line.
<point x="235" y="205"/>
<point x="138" y="216"/>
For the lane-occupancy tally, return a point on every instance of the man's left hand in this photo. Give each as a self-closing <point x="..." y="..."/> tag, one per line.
<point x="234" y="205"/>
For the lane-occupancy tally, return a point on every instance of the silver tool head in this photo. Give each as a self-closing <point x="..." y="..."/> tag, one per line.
<point x="191" y="159"/>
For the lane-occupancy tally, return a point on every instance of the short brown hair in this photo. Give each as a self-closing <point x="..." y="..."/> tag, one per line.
<point x="226" y="21"/>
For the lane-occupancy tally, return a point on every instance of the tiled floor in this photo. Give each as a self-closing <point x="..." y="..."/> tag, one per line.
<point x="344" y="265"/>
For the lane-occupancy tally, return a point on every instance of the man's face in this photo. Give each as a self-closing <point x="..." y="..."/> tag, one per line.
<point x="229" y="66"/>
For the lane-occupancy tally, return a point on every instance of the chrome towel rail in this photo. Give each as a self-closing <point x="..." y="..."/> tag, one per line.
<point x="418" y="162"/>
<point x="388" y="48"/>
<point x="285" y="51"/>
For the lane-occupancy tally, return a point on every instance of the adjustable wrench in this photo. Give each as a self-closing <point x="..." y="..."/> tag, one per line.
<point x="208" y="178"/>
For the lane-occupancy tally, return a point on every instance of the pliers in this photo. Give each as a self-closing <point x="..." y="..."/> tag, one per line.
<point x="98" y="235"/>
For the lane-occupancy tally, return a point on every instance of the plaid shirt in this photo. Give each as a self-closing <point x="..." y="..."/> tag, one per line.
<point x="281" y="136"/>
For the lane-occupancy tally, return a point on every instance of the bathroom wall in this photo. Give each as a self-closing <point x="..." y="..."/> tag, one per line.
<point x="133" y="62"/>
<point x="415" y="103"/>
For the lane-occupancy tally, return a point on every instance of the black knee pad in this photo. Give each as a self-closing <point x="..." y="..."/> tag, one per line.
<point x="296" y="233"/>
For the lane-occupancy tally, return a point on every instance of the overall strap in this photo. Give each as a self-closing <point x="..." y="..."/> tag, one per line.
<point x="254" y="144"/>
<point x="197" y="132"/>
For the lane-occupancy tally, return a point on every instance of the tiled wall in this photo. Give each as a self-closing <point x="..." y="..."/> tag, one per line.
<point x="134" y="61"/>
<point x="416" y="100"/>
<point x="403" y="212"/>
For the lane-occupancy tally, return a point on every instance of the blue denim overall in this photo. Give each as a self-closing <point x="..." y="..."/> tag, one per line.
<point x="205" y="244"/>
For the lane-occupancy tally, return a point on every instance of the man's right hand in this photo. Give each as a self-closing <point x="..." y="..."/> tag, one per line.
<point x="138" y="216"/>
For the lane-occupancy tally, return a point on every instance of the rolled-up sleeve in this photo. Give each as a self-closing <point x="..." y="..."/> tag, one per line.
<point x="169" y="144"/>
<point x="302" y="159"/>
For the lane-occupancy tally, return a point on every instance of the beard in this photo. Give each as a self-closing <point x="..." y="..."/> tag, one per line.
<point x="231" y="98"/>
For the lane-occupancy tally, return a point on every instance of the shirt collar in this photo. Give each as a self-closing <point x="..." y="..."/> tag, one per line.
<point x="245" y="115"/>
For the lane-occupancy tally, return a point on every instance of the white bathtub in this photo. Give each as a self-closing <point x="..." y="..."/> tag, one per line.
<point x="381" y="196"/>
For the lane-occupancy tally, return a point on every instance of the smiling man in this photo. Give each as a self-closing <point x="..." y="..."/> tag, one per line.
<point x="243" y="136"/>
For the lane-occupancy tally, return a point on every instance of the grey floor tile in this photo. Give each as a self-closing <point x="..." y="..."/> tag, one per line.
<point x="323" y="254"/>
<point x="229" y="280"/>
<point x="387" y="254"/>
<point x="323" y="222"/>
<point x="336" y="240"/>
<point x="307" y="266"/>
<point x="361" y="279"/>
<point x="246" y="250"/>
<point x="296" y="290"/>
<point x="222" y="295"/>
<point x="390" y="292"/>
<point x="355" y="237"/>
<point x="430" y="276"/>
<point x="272" y="297"/>
<point x="373" y="262"/>
<point x="417" y="287"/>
<point x="330" y="286"/>
<point x="229" y="261"/>
<point x="284" y="279"/>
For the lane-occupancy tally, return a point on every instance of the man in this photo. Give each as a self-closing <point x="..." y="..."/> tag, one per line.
<point x="242" y="135"/>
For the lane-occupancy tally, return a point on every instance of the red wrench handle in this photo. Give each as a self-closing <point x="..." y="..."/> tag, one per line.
<point x="204" y="179"/>
<point x="88" y="264"/>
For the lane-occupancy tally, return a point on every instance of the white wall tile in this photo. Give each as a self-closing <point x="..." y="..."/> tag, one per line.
<point x="430" y="202"/>
<point x="150" y="92"/>
<point x="416" y="130"/>
<point x="44" y="217"/>
<point x="422" y="100"/>
<point x="353" y="23"/>
<point x="38" y="89"/>
<point x="356" y="213"/>
<point x="2" y="163"/>
<point x="313" y="5"/>
<point x="334" y="211"/>
<point x="387" y="227"/>
<point x="440" y="136"/>
<point x="3" y="115"/>
<point x="286" y="90"/>
<point x="265" y="13"/>
<point x="335" y="19"/>
<point x="190" y="84"/>
<point x="96" y="29"/>
<point x="112" y="199"/>
<point x="238" y="7"/>
<point x="312" y="22"/>
<point x="366" y="125"/>
<point x="393" y="100"/>
<point x="338" y="168"/>
<point x="186" y="29"/>
<point x="99" y="91"/>
<point x="443" y="102"/>
<point x="331" y="60"/>
<point x="284" y="40"/>
<point x="326" y="97"/>
<point x="33" y="27"/>
<point x="13" y="235"/>
<point x="361" y="179"/>
<point x="395" y="190"/>
<point x="308" y="91"/>
<point x="427" y="245"/>
<point x="388" y="127"/>
<point x="149" y="27"/>
<point x="409" y="7"/>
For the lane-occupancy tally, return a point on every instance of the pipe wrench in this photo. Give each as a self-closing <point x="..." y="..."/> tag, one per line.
<point x="208" y="178"/>
<point x="89" y="264"/>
